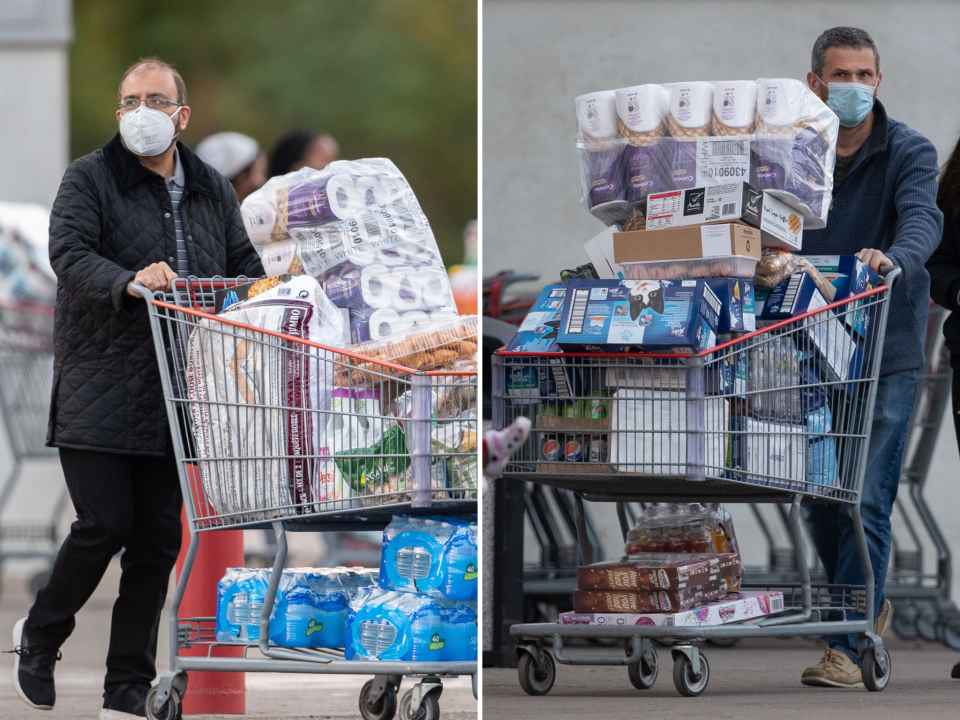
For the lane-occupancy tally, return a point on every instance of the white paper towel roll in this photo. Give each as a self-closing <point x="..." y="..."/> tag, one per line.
<point x="344" y="199"/>
<point x="407" y="293"/>
<point x="691" y="104"/>
<point x="416" y="320"/>
<point x="442" y="316"/>
<point x="277" y="257"/>
<point x="376" y="286"/>
<point x="597" y="115"/>
<point x="642" y="107"/>
<point x="735" y="104"/>
<point x="386" y="322"/>
<point x="370" y="191"/>
<point x="390" y="256"/>
<point x="434" y="287"/>
<point x="259" y="217"/>
<point x="776" y="102"/>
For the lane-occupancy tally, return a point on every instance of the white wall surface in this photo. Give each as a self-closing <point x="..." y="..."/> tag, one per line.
<point x="34" y="123"/>
<point x="538" y="55"/>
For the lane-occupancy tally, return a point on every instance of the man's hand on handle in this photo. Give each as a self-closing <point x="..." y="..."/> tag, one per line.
<point x="874" y="258"/>
<point x="154" y="277"/>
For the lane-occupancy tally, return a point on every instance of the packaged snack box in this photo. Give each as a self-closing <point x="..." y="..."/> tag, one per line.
<point x="644" y="601"/>
<point x="538" y="332"/>
<point x="850" y="276"/>
<point x="721" y="250"/>
<point x="664" y="571"/>
<point x="652" y="315"/>
<point x="736" y="298"/>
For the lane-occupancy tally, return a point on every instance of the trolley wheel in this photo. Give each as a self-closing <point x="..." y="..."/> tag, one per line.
<point x="687" y="684"/>
<point x="173" y="710"/>
<point x="927" y="622"/>
<point x="723" y="642"/>
<point x="384" y="709"/>
<point x="429" y="707"/>
<point x="905" y="621"/>
<point x="873" y="679"/>
<point x="951" y="636"/>
<point x="535" y="680"/>
<point x="39" y="580"/>
<point x="643" y="677"/>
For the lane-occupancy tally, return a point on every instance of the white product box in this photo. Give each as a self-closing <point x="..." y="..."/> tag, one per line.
<point x="600" y="251"/>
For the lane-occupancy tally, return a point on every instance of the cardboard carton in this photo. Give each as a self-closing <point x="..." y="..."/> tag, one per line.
<point x="538" y="331"/>
<point x="659" y="571"/>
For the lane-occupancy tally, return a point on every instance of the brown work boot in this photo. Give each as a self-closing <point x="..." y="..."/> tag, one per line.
<point x="884" y="619"/>
<point x="835" y="670"/>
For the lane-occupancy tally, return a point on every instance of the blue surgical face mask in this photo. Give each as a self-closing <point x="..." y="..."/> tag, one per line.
<point x="852" y="102"/>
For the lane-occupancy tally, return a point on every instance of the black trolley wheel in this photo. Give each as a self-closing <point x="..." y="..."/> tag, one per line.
<point x="172" y="710"/>
<point x="873" y="679"/>
<point x="642" y="676"/>
<point x="429" y="707"/>
<point x="536" y="680"/>
<point x="385" y="708"/>
<point x="687" y="684"/>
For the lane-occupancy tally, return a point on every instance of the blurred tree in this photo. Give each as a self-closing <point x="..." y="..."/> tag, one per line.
<point x="385" y="78"/>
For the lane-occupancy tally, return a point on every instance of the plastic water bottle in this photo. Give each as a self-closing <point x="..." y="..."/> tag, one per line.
<point x="376" y="637"/>
<point x="459" y="631"/>
<point x="414" y="562"/>
<point x="462" y="561"/>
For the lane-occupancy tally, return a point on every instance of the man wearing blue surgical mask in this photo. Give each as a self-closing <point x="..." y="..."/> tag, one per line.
<point x="884" y="211"/>
<point x="143" y="209"/>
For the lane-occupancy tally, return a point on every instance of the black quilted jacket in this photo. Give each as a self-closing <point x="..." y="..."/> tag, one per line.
<point x="113" y="217"/>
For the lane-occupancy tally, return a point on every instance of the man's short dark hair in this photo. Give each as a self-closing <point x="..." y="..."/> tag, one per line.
<point x="842" y="37"/>
<point x="156" y="62"/>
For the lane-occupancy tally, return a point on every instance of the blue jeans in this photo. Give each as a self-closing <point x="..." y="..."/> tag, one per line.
<point x="831" y="526"/>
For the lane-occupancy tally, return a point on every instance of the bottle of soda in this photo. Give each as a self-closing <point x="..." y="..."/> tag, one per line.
<point x="697" y="539"/>
<point x="656" y="542"/>
<point x="677" y="542"/>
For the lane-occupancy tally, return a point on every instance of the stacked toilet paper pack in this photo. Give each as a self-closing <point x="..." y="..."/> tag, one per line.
<point x="635" y="141"/>
<point x="357" y="227"/>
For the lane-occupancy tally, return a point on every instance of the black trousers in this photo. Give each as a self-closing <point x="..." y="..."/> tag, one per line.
<point x="128" y="502"/>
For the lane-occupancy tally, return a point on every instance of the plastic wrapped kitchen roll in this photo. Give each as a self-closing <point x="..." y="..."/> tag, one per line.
<point x="642" y="121"/>
<point x="234" y="378"/>
<point x="794" y="153"/>
<point x="690" y="117"/>
<point x="734" y="107"/>
<point x="601" y="154"/>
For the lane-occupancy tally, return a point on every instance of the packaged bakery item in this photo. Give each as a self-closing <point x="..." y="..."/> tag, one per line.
<point x="355" y="226"/>
<point x="237" y="383"/>
<point x="777" y="265"/>
<point x="659" y="571"/>
<point x="645" y="601"/>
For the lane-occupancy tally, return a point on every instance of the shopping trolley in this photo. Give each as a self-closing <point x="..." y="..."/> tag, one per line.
<point x="779" y="415"/>
<point x="260" y="477"/>
<point x="26" y="377"/>
<point x="921" y="598"/>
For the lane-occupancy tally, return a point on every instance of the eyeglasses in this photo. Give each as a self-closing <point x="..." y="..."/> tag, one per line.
<point x="154" y="103"/>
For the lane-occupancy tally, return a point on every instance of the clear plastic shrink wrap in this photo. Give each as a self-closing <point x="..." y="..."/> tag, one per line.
<point x="776" y="266"/>
<point x="238" y="380"/>
<point x="773" y="133"/>
<point x="357" y="227"/>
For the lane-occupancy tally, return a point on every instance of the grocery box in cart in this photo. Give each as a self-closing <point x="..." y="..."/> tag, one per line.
<point x="539" y="329"/>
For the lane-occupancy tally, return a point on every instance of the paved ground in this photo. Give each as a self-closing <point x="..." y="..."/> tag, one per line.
<point x="80" y="674"/>
<point x="756" y="679"/>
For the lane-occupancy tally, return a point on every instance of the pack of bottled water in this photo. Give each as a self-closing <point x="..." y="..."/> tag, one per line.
<point x="426" y="554"/>
<point x="240" y="596"/>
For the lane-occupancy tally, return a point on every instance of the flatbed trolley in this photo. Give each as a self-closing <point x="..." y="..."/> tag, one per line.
<point x="688" y="427"/>
<point x="223" y="490"/>
<point x="26" y="377"/>
<point x="921" y="599"/>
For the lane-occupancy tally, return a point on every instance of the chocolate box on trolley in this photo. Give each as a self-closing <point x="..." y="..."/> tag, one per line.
<point x="663" y="571"/>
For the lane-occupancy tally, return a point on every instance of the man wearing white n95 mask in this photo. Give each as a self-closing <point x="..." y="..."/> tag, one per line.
<point x="142" y="209"/>
<point x="884" y="211"/>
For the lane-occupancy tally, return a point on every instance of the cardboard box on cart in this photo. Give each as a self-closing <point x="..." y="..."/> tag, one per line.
<point x="573" y="429"/>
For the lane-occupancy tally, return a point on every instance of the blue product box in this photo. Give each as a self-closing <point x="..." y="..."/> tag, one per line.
<point x="791" y="297"/>
<point x="618" y="316"/>
<point x="727" y="375"/>
<point x="538" y="332"/>
<point x="760" y="295"/>
<point x="850" y="276"/>
<point x="527" y="384"/>
<point x="736" y="300"/>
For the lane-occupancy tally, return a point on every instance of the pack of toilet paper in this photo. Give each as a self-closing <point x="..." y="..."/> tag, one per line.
<point x="258" y="404"/>
<point x="357" y="227"/>
<point x="773" y="133"/>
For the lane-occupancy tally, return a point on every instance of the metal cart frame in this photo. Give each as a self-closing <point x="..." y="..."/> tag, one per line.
<point x="173" y="317"/>
<point x="26" y="376"/>
<point x="809" y="608"/>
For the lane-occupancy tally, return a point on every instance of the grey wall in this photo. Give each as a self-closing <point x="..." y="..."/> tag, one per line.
<point x="540" y="54"/>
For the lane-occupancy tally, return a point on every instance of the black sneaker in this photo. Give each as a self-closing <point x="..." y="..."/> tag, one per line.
<point x="126" y="702"/>
<point x="955" y="672"/>
<point x="33" y="670"/>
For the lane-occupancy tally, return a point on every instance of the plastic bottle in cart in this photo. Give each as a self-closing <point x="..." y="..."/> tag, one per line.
<point x="340" y="425"/>
<point x="461" y="561"/>
<point x="369" y="418"/>
<point x="656" y="541"/>
<point x="677" y="540"/>
<point x="697" y="540"/>
<point x="634" y="542"/>
<point x="399" y="524"/>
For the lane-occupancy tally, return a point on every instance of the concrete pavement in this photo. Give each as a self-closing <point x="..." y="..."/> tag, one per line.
<point x="757" y="679"/>
<point x="79" y="675"/>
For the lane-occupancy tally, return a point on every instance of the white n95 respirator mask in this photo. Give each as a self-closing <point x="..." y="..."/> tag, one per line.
<point x="147" y="132"/>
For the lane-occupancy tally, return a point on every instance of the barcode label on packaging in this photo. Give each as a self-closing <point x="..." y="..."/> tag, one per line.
<point x="578" y="311"/>
<point x="283" y="292"/>
<point x="790" y="296"/>
<point x="776" y="603"/>
<point x="729" y="209"/>
<point x="722" y="161"/>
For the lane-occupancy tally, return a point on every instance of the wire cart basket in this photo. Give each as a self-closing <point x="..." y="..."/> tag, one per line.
<point x="779" y="415"/>
<point x="26" y="376"/>
<point x="240" y="469"/>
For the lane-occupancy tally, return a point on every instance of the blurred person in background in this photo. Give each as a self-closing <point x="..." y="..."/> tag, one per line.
<point x="944" y="269"/>
<point x="303" y="148"/>
<point x="143" y="210"/>
<point x="238" y="158"/>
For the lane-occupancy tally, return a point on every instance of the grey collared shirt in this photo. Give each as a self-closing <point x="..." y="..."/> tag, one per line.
<point x="175" y="187"/>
